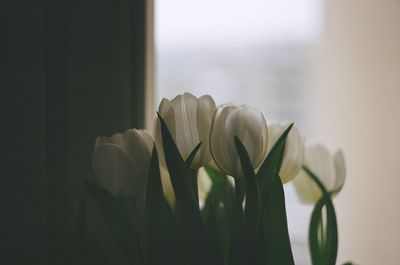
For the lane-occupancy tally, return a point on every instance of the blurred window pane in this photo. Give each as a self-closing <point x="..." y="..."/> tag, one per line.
<point x="254" y="52"/>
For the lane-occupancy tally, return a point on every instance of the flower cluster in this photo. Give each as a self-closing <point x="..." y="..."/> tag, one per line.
<point x="227" y="159"/>
<point x="121" y="161"/>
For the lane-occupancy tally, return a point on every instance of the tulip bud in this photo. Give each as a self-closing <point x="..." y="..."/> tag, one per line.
<point x="188" y="119"/>
<point x="293" y="153"/>
<point x="329" y="169"/>
<point x="249" y="126"/>
<point x="121" y="162"/>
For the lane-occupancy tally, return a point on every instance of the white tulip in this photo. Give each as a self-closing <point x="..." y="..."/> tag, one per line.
<point x="188" y="119"/>
<point x="293" y="153"/>
<point x="329" y="169"/>
<point x="249" y="126"/>
<point x="121" y="162"/>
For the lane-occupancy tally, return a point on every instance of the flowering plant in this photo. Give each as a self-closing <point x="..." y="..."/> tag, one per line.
<point x="148" y="193"/>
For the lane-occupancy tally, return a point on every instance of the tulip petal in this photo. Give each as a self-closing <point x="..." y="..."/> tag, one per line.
<point x="112" y="166"/>
<point x="320" y="161"/>
<point x="330" y="171"/>
<point x="136" y="145"/>
<point x="185" y="109"/>
<point x="203" y="183"/>
<point x="219" y="142"/>
<point x="275" y="130"/>
<point x="146" y="137"/>
<point x="166" y="111"/>
<point x="235" y="125"/>
<point x="340" y="170"/>
<point x="116" y="138"/>
<point x="250" y="127"/>
<point x="205" y="109"/>
<point x="102" y="140"/>
<point x="293" y="156"/>
<point x="307" y="191"/>
<point x="167" y="186"/>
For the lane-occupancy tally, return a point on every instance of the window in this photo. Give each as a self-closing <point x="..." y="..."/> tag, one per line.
<point x="255" y="52"/>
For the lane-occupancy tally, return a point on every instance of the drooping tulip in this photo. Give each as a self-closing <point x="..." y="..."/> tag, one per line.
<point x="293" y="153"/>
<point x="330" y="170"/>
<point x="188" y="119"/>
<point x="249" y="125"/>
<point x="121" y="162"/>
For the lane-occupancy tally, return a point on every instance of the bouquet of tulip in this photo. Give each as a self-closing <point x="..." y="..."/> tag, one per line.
<point x="148" y="190"/>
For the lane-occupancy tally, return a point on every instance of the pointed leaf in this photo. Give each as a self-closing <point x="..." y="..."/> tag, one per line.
<point x="177" y="168"/>
<point x="154" y="193"/>
<point x="274" y="220"/>
<point x="188" y="211"/>
<point x="252" y="209"/>
<point x="192" y="181"/>
<point x="221" y="197"/>
<point x="161" y="227"/>
<point x="248" y="232"/>
<point x="270" y="166"/>
<point x="276" y="233"/>
<point x="99" y="231"/>
<point x="313" y="235"/>
<point x="192" y="154"/>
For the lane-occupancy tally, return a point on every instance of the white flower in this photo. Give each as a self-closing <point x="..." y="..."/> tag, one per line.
<point x="188" y="119"/>
<point x="121" y="162"/>
<point x="293" y="153"/>
<point x="249" y="126"/>
<point x="329" y="169"/>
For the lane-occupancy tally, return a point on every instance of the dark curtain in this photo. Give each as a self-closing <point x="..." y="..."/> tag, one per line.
<point x="70" y="70"/>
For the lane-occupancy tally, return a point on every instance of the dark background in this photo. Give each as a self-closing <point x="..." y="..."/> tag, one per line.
<point x="70" y="70"/>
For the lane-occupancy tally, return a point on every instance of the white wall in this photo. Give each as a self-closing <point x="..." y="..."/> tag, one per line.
<point x="356" y="106"/>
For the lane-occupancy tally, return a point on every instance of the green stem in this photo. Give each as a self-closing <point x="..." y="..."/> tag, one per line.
<point x="321" y="230"/>
<point x="194" y="185"/>
<point x="239" y="193"/>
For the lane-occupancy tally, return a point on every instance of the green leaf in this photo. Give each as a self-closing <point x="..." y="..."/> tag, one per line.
<point x="245" y="242"/>
<point x="253" y="205"/>
<point x="270" y="166"/>
<point x="221" y="200"/>
<point x="214" y="226"/>
<point x="274" y="220"/>
<point x="178" y="169"/>
<point x="113" y="210"/>
<point x="196" y="241"/>
<point x="154" y="202"/>
<point x="276" y="234"/>
<point x="192" y="180"/>
<point x="332" y="233"/>
<point x="323" y="250"/>
<point x="313" y="235"/>
<point x="99" y="210"/>
<point x="316" y="180"/>
<point x="192" y="154"/>
<point x="163" y="241"/>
